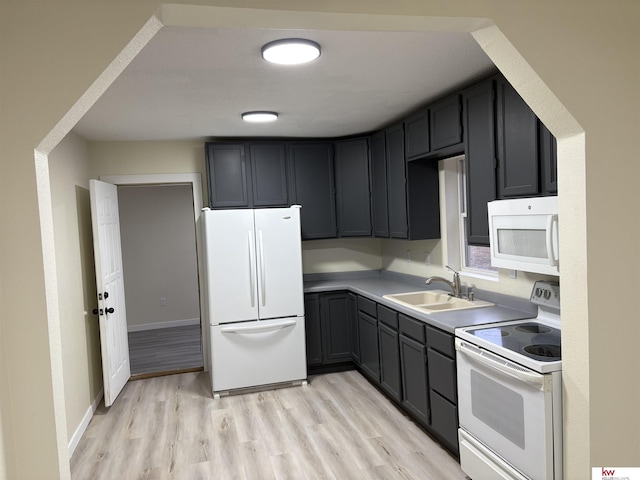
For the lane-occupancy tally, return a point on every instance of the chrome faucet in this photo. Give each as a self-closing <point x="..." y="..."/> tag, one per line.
<point x="454" y="285"/>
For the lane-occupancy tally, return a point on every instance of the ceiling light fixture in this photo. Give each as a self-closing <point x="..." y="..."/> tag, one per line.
<point x="259" y="117"/>
<point x="291" y="51"/>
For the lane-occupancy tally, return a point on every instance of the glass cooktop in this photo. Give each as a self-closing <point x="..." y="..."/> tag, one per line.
<point x="533" y="340"/>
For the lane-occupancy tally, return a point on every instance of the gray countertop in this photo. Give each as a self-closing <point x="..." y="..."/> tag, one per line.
<point x="374" y="285"/>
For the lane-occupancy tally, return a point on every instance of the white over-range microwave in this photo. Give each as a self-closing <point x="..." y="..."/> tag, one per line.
<point x="524" y="234"/>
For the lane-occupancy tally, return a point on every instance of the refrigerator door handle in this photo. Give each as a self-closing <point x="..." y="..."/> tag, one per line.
<point x="249" y="329"/>
<point x="252" y="262"/>
<point x="262" y="269"/>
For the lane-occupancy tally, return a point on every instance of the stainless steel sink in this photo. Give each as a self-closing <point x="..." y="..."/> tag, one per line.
<point x="433" y="301"/>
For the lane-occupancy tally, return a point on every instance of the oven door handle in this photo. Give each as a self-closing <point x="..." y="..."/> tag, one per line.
<point x="501" y="365"/>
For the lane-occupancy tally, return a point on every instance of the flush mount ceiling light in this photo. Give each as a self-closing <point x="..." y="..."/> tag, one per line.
<point x="259" y="117"/>
<point x="291" y="51"/>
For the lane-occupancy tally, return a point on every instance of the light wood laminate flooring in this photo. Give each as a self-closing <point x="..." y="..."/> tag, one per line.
<point x="165" y="349"/>
<point x="338" y="427"/>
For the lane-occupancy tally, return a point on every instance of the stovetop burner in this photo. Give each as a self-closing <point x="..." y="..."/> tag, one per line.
<point x="534" y="340"/>
<point x="544" y="351"/>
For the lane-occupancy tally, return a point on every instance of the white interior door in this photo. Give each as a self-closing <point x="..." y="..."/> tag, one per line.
<point x="114" y="341"/>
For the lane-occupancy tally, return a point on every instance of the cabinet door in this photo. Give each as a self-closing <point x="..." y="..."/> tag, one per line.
<point x="227" y="176"/>
<point x="269" y="175"/>
<point x="444" y="421"/>
<point x="396" y="182"/>
<point x="423" y="202"/>
<point x="413" y="363"/>
<point x="352" y="188"/>
<point x="479" y="137"/>
<point x="311" y="174"/>
<point x="549" y="161"/>
<point x="334" y="312"/>
<point x="354" y="333"/>
<point x="416" y="130"/>
<point x="379" y="185"/>
<point x="517" y="144"/>
<point x="389" y="361"/>
<point x="369" y="360"/>
<point x="313" y="329"/>
<point x="446" y="122"/>
<point x="442" y="375"/>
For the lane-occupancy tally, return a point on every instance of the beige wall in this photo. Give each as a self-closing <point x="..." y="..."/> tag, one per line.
<point x="135" y="158"/>
<point x="158" y="236"/>
<point x="79" y="329"/>
<point x="585" y="57"/>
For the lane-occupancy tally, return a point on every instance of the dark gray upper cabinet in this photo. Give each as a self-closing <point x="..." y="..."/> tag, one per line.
<point x="268" y="174"/>
<point x="353" y="188"/>
<point x="416" y="129"/>
<point x="311" y="177"/>
<point x="445" y="124"/>
<point x="379" y="185"/>
<point x="396" y="182"/>
<point x="227" y="176"/>
<point x="423" y="202"/>
<point x="479" y="127"/>
<point x="517" y="144"/>
<point x="414" y="211"/>
<point x="548" y="161"/>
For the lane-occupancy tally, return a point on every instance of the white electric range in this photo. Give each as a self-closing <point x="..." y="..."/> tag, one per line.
<point x="510" y="394"/>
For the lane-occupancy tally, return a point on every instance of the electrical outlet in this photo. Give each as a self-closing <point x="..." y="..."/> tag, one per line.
<point x="427" y="258"/>
<point x="513" y="274"/>
<point x="163" y="302"/>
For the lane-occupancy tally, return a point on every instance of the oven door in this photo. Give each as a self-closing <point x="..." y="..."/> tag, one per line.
<point x="508" y="408"/>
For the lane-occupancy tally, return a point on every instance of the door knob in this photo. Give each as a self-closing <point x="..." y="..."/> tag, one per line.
<point x="110" y="310"/>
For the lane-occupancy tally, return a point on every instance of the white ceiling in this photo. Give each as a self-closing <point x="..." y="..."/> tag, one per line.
<point x="193" y="83"/>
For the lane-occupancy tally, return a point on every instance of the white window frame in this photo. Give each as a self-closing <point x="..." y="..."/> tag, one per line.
<point x="456" y="203"/>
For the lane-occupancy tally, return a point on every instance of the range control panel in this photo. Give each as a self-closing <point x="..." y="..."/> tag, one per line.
<point x="546" y="294"/>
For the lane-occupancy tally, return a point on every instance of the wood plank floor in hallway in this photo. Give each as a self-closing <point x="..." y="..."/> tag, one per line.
<point x="338" y="427"/>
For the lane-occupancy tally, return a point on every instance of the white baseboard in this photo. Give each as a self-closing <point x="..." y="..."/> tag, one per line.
<point x="169" y="324"/>
<point x="77" y="435"/>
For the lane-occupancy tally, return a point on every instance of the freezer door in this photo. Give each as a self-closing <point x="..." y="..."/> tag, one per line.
<point x="230" y="266"/>
<point x="251" y="354"/>
<point x="279" y="266"/>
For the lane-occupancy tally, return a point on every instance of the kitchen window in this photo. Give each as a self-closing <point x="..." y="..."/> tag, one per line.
<point x="471" y="260"/>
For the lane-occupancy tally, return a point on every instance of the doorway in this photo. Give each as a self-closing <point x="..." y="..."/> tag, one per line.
<point x="158" y="215"/>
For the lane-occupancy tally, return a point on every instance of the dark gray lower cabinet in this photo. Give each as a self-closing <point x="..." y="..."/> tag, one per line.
<point x="336" y="327"/>
<point x="413" y="361"/>
<point x="443" y="392"/>
<point x="353" y="320"/>
<point x="368" y="333"/>
<point x="328" y="326"/>
<point x="444" y="420"/>
<point x="389" y="361"/>
<point x="313" y="329"/>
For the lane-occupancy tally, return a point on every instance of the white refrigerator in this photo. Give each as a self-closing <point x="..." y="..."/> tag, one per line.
<point x="254" y="297"/>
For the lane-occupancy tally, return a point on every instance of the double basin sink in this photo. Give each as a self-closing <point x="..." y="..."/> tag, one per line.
<point x="434" y="301"/>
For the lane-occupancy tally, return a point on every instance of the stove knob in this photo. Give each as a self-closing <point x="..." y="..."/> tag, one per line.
<point x="547" y="294"/>
<point x="538" y="292"/>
